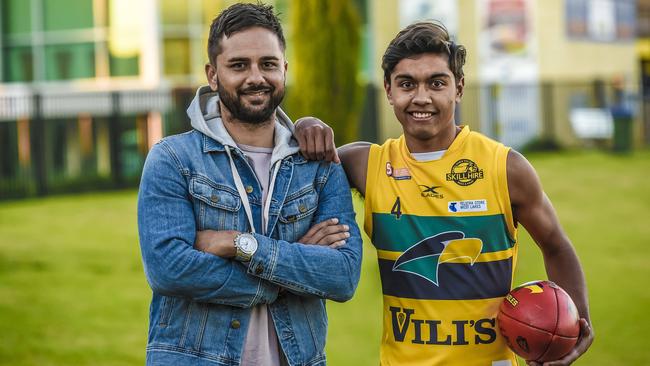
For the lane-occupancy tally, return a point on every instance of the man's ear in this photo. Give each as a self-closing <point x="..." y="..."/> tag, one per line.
<point x="460" y="87"/>
<point x="211" y="75"/>
<point x="389" y="94"/>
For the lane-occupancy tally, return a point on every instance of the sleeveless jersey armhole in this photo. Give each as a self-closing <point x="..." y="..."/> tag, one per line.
<point x="372" y="170"/>
<point x="502" y="181"/>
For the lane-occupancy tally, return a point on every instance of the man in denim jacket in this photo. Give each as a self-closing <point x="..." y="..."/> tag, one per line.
<point x="224" y="216"/>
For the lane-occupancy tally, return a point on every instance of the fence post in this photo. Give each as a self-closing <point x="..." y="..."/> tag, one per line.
<point x="37" y="144"/>
<point x="115" y="143"/>
<point x="548" y="111"/>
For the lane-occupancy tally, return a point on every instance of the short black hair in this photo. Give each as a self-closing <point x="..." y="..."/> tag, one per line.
<point x="239" y="17"/>
<point x="423" y="37"/>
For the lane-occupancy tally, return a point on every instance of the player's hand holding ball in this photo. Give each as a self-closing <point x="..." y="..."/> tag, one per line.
<point x="541" y="323"/>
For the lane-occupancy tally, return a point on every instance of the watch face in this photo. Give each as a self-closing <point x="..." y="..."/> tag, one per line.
<point x="247" y="243"/>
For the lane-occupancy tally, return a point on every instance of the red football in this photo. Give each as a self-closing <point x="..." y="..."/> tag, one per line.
<point x="539" y="321"/>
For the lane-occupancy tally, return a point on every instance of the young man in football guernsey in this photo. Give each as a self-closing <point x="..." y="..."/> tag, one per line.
<point x="442" y="208"/>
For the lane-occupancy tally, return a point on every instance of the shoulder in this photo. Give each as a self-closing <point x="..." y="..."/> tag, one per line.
<point x="477" y="137"/>
<point x="355" y="152"/>
<point x="523" y="182"/>
<point x="182" y="139"/>
<point x="518" y="165"/>
<point x="316" y="172"/>
<point x="177" y="147"/>
<point x="388" y="144"/>
<point x="305" y="167"/>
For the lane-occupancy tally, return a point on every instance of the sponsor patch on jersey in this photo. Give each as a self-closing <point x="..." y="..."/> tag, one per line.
<point x="397" y="173"/>
<point x="467" y="206"/>
<point x="502" y="363"/>
<point x="464" y="172"/>
<point x="430" y="191"/>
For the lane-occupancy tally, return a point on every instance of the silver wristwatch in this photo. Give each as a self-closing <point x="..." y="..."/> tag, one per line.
<point x="246" y="245"/>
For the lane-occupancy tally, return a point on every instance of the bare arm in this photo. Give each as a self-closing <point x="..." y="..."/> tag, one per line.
<point x="533" y="209"/>
<point x="354" y="157"/>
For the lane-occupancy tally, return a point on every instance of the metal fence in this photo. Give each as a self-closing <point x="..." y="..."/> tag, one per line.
<point x="51" y="143"/>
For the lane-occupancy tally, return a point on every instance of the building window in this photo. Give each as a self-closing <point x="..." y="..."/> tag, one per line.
<point x="174" y="12"/>
<point x="18" y="64"/>
<point x="124" y="66"/>
<point x="70" y="61"/>
<point x="16" y="16"/>
<point x="601" y="20"/>
<point x="67" y="14"/>
<point x="53" y="40"/>
<point x="176" y="60"/>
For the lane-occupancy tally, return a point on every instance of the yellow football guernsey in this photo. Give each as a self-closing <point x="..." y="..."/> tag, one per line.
<point x="446" y="247"/>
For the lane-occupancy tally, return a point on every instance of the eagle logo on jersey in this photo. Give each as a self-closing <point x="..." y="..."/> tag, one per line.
<point x="424" y="258"/>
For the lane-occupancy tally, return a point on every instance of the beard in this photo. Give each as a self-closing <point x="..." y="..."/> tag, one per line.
<point x="256" y="116"/>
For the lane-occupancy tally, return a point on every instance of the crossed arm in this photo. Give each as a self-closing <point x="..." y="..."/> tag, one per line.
<point x="174" y="267"/>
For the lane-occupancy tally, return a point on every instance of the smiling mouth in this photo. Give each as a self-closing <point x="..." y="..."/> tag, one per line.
<point x="257" y="93"/>
<point x="421" y="115"/>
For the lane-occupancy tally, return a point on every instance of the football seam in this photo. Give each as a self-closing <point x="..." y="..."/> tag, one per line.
<point x="530" y="325"/>
<point x="557" y="320"/>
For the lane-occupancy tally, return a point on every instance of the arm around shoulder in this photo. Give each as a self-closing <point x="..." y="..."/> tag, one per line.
<point x="354" y="157"/>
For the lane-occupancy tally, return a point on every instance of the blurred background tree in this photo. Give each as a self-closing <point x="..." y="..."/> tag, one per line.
<point x="326" y="42"/>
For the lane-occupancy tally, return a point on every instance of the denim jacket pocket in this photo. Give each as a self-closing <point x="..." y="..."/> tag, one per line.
<point x="216" y="206"/>
<point x="296" y="214"/>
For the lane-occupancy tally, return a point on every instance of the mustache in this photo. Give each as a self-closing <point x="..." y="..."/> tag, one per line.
<point x="257" y="88"/>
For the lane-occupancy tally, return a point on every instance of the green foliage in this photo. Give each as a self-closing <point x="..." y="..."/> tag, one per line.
<point x="326" y="43"/>
<point x="73" y="292"/>
<point x="541" y="144"/>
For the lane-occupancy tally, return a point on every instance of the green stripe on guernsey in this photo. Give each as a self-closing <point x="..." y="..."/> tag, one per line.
<point x="400" y="234"/>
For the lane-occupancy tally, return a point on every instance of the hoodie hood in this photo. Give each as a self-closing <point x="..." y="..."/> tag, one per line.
<point x="206" y="118"/>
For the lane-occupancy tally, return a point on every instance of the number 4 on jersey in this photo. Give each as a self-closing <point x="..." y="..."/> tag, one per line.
<point x="397" y="209"/>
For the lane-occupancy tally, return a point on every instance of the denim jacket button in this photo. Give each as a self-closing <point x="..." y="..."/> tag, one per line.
<point x="235" y="324"/>
<point x="249" y="189"/>
<point x="259" y="269"/>
<point x="214" y="198"/>
<point x="302" y="208"/>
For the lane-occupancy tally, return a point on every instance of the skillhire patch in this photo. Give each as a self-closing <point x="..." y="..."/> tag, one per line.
<point x="465" y="172"/>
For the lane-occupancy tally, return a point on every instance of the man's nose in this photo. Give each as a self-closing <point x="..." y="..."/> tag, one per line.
<point x="421" y="96"/>
<point x="255" y="76"/>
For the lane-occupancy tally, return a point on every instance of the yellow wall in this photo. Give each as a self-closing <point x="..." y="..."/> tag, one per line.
<point x="468" y="30"/>
<point x="563" y="59"/>
<point x="385" y="23"/>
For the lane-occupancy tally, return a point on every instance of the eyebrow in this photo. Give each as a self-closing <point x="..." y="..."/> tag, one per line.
<point x="432" y="76"/>
<point x="246" y="59"/>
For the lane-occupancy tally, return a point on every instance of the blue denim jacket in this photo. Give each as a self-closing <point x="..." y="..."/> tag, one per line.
<point x="201" y="303"/>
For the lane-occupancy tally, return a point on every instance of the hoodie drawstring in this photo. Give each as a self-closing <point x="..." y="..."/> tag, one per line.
<point x="244" y="196"/>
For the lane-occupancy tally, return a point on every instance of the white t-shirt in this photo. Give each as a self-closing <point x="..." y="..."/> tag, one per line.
<point x="261" y="347"/>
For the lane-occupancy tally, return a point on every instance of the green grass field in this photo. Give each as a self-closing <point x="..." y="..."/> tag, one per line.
<point x="72" y="289"/>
